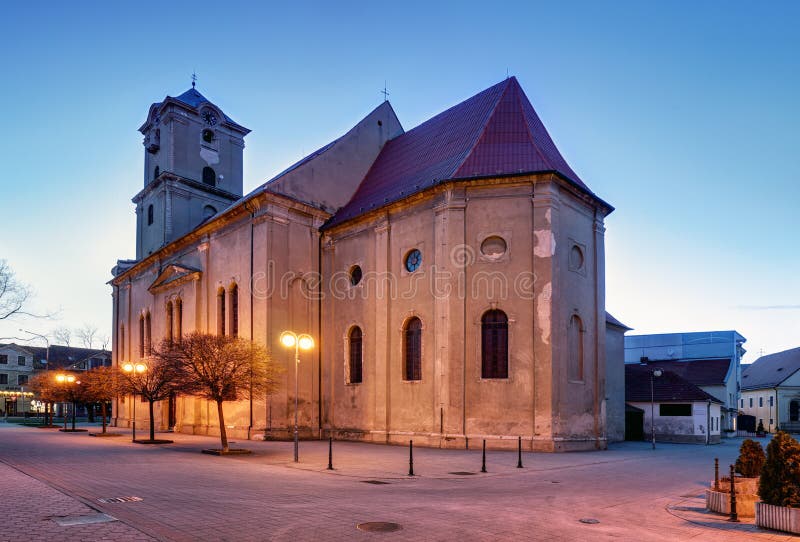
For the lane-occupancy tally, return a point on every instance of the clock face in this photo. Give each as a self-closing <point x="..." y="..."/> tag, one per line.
<point x="209" y="116"/>
<point x="413" y="260"/>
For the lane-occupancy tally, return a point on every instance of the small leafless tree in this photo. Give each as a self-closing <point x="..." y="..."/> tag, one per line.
<point x="86" y="334"/>
<point x="14" y="295"/>
<point x="156" y="383"/>
<point x="62" y="335"/>
<point x="101" y="385"/>
<point x="104" y="340"/>
<point x="220" y="368"/>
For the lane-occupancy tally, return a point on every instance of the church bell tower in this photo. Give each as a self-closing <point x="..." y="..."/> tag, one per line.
<point x="192" y="168"/>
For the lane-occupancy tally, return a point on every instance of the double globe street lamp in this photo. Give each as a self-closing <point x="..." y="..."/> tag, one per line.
<point x="65" y="379"/>
<point x="303" y="341"/>
<point x="134" y="369"/>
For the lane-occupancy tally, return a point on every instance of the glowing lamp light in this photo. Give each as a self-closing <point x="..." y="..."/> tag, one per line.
<point x="60" y="378"/>
<point x="306" y="342"/>
<point x="141" y="367"/>
<point x="127" y="367"/>
<point x="288" y="339"/>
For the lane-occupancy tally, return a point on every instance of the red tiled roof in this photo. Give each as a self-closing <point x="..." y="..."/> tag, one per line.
<point x="700" y="372"/>
<point x="494" y="133"/>
<point x="667" y="388"/>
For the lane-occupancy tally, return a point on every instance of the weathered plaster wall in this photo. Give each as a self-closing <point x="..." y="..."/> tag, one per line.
<point x="615" y="383"/>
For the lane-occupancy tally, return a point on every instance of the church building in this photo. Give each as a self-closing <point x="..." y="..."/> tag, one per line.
<point x="452" y="277"/>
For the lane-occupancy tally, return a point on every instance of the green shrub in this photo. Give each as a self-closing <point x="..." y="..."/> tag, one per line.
<point x="780" y="477"/>
<point x="751" y="459"/>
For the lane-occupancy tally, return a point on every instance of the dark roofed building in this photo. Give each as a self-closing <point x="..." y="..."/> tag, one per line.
<point x="683" y="412"/>
<point x="771" y="390"/>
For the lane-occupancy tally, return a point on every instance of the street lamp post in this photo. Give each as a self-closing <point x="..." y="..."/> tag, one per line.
<point x="303" y="341"/>
<point x="134" y="369"/>
<point x="653" y="374"/>
<point x="67" y="380"/>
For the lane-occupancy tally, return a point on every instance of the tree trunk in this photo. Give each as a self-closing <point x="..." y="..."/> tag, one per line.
<point x="222" y="434"/>
<point x="103" y="413"/>
<point x="152" y="425"/>
<point x="73" y="414"/>
<point x="90" y="411"/>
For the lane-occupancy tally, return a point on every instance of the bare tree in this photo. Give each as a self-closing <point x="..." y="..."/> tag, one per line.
<point x="101" y="385"/>
<point x="104" y="340"/>
<point x="62" y="335"/>
<point x="153" y="379"/>
<point x="86" y="334"/>
<point x="220" y="368"/>
<point x="13" y="294"/>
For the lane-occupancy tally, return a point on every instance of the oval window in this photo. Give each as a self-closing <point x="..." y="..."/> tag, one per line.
<point x="493" y="246"/>
<point x="413" y="260"/>
<point x="575" y="258"/>
<point x="355" y="275"/>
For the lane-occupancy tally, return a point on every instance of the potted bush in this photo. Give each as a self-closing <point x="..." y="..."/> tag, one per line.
<point x="760" y="431"/>
<point x="779" y="486"/>
<point x="749" y="464"/>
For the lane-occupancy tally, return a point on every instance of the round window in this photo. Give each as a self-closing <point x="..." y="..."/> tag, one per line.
<point x="493" y="246"/>
<point x="355" y="275"/>
<point x="208" y="136"/>
<point x="413" y="260"/>
<point x="576" y="258"/>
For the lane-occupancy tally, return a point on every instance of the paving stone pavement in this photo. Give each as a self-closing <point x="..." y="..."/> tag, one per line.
<point x="635" y="493"/>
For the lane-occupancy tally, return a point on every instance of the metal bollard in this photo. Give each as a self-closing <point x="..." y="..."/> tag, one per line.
<point x="411" y="458"/>
<point x="330" y="453"/>
<point x="716" y="474"/>
<point x="519" y="454"/>
<point x="734" y="515"/>
<point x="483" y="462"/>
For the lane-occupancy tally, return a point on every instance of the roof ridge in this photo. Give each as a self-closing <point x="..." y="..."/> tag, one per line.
<point x="528" y="129"/>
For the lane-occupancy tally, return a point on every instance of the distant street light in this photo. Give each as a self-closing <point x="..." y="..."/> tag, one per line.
<point x="64" y="380"/>
<point x="290" y="339"/>
<point x="653" y="374"/>
<point x="134" y="369"/>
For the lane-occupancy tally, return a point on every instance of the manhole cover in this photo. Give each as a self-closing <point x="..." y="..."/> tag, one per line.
<point x="590" y="521"/>
<point x="462" y="473"/>
<point x="376" y="482"/>
<point x="108" y="500"/>
<point x="67" y="521"/>
<point x="378" y="527"/>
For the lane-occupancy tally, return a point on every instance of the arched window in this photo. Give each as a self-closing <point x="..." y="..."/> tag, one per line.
<point x="221" y="311"/>
<point x="149" y="214"/>
<point x="169" y="322"/>
<point x="148" y="334"/>
<point x="494" y="344"/>
<point x="156" y="173"/>
<point x="234" y="292"/>
<point x="141" y="336"/>
<point x="121" y="343"/>
<point x="355" y="355"/>
<point x="178" y="319"/>
<point x="412" y="345"/>
<point x="575" y="349"/>
<point x="209" y="176"/>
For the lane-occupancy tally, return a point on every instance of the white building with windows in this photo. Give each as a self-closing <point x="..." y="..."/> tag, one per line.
<point x="771" y="391"/>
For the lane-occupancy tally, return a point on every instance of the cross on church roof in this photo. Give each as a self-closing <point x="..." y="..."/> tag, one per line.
<point x="194" y="78"/>
<point x="385" y="92"/>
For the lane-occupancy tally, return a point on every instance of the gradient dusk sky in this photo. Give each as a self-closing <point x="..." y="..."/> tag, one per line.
<point x="683" y="115"/>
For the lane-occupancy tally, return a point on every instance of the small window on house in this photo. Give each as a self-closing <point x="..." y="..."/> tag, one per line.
<point x="20" y="360"/>
<point x="3" y="378"/>
<point x="356" y="368"/>
<point x="751" y="402"/>
<point x="412" y="345"/>
<point x="494" y="344"/>
<point x="3" y="359"/>
<point x="771" y="398"/>
<point x="22" y="380"/>
<point x="234" y="291"/>
<point x="741" y="403"/>
<point x="675" y="409"/>
<point x="209" y="176"/>
<point x="149" y="214"/>
<point x="760" y="401"/>
<point x="221" y="311"/>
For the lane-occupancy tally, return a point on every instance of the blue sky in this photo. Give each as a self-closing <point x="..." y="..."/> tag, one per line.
<point x="683" y="115"/>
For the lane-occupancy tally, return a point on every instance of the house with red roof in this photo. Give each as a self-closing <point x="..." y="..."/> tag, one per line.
<point x="452" y="276"/>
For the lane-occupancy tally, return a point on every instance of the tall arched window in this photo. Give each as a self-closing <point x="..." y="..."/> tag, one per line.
<point x="149" y="214"/>
<point x="575" y="349"/>
<point x="121" y="343"/>
<point x="178" y="319"/>
<point x="221" y="311"/>
<point x="494" y="344"/>
<point x="148" y="334"/>
<point x="141" y="336"/>
<point x="356" y="372"/>
<point x="209" y="176"/>
<point x="412" y="346"/>
<point x="234" y="292"/>
<point x="169" y="322"/>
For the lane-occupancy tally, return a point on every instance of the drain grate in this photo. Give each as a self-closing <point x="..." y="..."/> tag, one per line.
<point x="462" y="473"/>
<point x="108" y="500"/>
<point x="379" y="527"/>
<point x="590" y="521"/>
<point x="376" y="482"/>
<point x="67" y="521"/>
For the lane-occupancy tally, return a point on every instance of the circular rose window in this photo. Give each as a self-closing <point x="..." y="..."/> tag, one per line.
<point x="413" y="260"/>
<point x="494" y="247"/>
